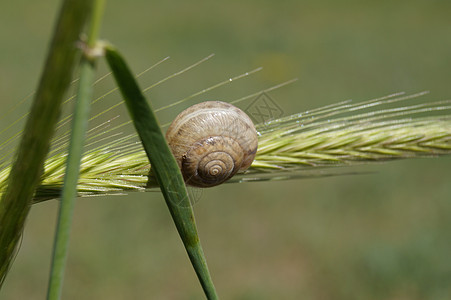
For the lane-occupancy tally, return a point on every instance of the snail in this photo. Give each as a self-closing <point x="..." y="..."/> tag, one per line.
<point x="211" y="142"/>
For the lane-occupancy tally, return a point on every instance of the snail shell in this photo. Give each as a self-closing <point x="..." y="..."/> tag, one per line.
<point x="211" y="141"/>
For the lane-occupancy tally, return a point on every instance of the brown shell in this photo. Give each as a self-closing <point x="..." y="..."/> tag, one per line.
<point x="211" y="141"/>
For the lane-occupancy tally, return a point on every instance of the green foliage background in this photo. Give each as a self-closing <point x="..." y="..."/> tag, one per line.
<point x="378" y="236"/>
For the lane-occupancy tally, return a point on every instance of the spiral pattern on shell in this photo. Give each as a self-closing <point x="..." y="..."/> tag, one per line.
<point x="211" y="142"/>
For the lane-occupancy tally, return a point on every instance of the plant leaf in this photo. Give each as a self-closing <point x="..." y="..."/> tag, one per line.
<point x="164" y="166"/>
<point x="27" y="169"/>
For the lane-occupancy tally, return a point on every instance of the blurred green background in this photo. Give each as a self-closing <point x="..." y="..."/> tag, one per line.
<point x="380" y="236"/>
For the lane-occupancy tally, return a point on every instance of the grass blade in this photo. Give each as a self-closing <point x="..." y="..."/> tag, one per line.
<point x="69" y="193"/>
<point x="79" y="128"/>
<point x="26" y="171"/>
<point x="164" y="167"/>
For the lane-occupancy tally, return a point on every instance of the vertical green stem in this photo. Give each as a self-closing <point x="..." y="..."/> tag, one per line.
<point x="79" y="126"/>
<point x="96" y="21"/>
<point x="61" y="243"/>
<point x="28" y="165"/>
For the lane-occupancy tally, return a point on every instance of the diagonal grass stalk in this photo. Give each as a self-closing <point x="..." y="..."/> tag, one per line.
<point x="75" y="153"/>
<point x="69" y="191"/>
<point x="29" y="163"/>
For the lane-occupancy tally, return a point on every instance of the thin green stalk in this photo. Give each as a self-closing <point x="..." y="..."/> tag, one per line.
<point x="29" y="163"/>
<point x="164" y="167"/>
<point x="96" y="22"/>
<point x="69" y="193"/>
<point x="79" y="127"/>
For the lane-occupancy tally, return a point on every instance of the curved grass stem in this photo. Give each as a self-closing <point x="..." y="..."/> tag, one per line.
<point x="29" y="163"/>
<point x="79" y="128"/>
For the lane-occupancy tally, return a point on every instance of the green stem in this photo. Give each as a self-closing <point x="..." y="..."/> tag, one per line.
<point x="79" y="127"/>
<point x="61" y="243"/>
<point x="27" y="169"/>
<point x="96" y="22"/>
